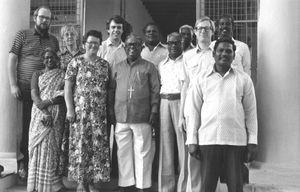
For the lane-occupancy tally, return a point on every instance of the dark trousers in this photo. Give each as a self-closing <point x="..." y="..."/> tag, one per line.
<point x="217" y="160"/>
<point x="27" y="105"/>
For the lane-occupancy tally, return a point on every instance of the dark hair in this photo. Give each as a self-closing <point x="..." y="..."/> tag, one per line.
<point x="224" y="38"/>
<point x="36" y="12"/>
<point x="150" y="24"/>
<point x="226" y="17"/>
<point x="49" y="49"/>
<point x="93" y="33"/>
<point x="136" y="37"/>
<point x="127" y="28"/>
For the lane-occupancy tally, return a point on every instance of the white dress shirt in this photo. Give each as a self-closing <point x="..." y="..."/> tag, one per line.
<point x="222" y="110"/>
<point x="242" y="60"/>
<point x="111" y="53"/>
<point x="196" y="61"/>
<point x="171" y="75"/>
<point x="159" y="53"/>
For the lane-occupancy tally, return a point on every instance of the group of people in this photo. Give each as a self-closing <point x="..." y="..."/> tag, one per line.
<point x="199" y="98"/>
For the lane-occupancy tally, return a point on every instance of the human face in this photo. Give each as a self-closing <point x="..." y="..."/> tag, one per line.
<point x="69" y="38"/>
<point x="92" y="45"/>
<point x="203" y="31"/>
<point x="174" y="46"/>
<point x="186" y="35"/>
<point x="133" y="48"/>
<point x="115" y="30"/>
<point x="224" y="55"/>
<point x="50" y="60"/>
<point x="225" y="26"/>
<point x="43" y="19"/>
<point x="151" y="34"/>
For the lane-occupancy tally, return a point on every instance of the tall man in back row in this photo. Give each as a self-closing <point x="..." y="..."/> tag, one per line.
<point x="222" y="128"/>
<point x="23" y="60"/>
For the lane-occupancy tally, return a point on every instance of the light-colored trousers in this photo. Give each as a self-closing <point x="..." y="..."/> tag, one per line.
<point x="169" y="134"/>
<point x="134" y="154"/>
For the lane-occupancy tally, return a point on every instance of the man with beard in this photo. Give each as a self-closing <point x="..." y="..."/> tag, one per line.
<point x="153" y="50"/>
<point x="187" y="34"/>
<point x="24" y="59"/>
<point x="134" y="101"/>
<point x="242" y="59"/>
<point x="172" y="77"/>
<point x="222" y="125"/>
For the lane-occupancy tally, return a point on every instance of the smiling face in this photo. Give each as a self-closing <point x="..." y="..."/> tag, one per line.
<point x="92" y="45"/>
<point x="225" y="26"/>
<point x="224" y="54"/>
<point x="50" y="60"/>
<point x="69" y="38"/>
<point x="174" y="46"/>
<point x="133" y="48"/>
<point x="115" y="30"/>
<point x="152" y="34"/>
<point x="203" y="31"/>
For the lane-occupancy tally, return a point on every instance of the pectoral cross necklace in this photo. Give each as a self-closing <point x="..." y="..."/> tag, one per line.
<point x="130" y="91"/>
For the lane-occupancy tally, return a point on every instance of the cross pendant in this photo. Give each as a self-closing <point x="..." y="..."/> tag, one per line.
<point x="130" y="91"/>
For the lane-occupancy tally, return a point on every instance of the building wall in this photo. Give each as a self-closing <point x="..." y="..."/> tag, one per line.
<point x="97" y="12"/>
<point x="278" y="93"/>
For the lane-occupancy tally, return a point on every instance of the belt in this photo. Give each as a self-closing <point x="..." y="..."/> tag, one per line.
<point x="174" y="96"/>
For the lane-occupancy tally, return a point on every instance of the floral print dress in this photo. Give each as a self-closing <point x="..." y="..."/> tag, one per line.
<point x="89" y="159"/>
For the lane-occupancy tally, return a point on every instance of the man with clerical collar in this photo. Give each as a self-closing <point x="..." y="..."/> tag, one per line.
<point x="25" y="58"/>
<point x="222" y="120"/>
<point x="135" y="104"/>
<point x="153" y="50"/>
<point x="172" y="77"/>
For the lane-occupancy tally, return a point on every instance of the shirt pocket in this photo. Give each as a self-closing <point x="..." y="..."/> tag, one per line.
<point x="141" y="79"/>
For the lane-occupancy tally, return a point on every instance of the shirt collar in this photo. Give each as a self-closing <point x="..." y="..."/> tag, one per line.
<point x="109" y="43"/>
<point x="168" y="59"/>
<point x="158" y="45"/>
<point x="198" y="49"/>
<point x="212" y="70"/>
<point x="36" y="32"/>
<point x="65" y="51"/>
<point x="137" y="61"/>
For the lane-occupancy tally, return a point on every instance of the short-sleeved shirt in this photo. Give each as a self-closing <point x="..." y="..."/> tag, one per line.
<point x="136" y="88"/>
<point x="171" y="75"/>
<point x="66" y="56"/>
<point x="159" y="53"/>
<point x="28" y="46"/>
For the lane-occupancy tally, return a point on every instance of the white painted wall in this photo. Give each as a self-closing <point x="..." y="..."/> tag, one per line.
<point x="278" y="87"/>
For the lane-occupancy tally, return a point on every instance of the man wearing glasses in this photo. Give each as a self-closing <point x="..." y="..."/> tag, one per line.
<point x="23" y="60"/>
<point x="172" y="77"/>
<point x="135" y="89"/>
<point x="195" y="61"/>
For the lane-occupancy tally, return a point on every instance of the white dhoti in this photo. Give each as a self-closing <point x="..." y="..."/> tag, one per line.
<point x="134" y="154"/>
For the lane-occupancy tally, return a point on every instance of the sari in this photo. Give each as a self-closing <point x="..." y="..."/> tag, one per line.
<point x="45" y="141"/>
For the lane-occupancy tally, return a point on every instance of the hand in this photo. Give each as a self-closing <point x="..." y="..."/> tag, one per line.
<point x="182" y="124"/>
<point x="47" y="120"/>
<point x="16" y="92"/>
<point x="194" y="151"/>
<point x="43" y="104"/>
<point x="153" y="120"/>
<point x="71" y="116"/>
<point x="251" y="152"/>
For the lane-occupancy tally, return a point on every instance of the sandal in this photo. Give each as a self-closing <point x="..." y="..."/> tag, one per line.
<point x="22" y="174"/>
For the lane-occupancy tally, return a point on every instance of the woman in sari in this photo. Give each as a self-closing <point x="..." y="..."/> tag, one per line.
<point x="46" y="126"/>
<point x="86" y="85"/>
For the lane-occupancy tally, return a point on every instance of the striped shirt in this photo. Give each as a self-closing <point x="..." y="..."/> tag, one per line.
<point x="28" y="46"/>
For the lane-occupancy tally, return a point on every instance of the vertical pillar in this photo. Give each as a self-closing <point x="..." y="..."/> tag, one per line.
<point x="278" y="87"/>
<point x="14" y="15"/>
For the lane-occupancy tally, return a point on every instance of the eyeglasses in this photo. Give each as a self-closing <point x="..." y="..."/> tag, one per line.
<point x="44" y="17"/>
<point x="205" y="29"/>
<point x="176" y="43"/>
<point x="93" y="43"/>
